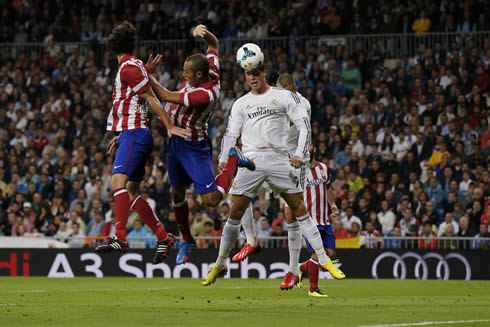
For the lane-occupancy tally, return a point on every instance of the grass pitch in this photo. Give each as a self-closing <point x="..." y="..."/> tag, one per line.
<point x="236" y="302"/>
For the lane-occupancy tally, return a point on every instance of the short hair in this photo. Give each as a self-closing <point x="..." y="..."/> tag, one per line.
<point x="199" y="63"/>
<point x="122" y="39"/>
<point x="287" y="81"/>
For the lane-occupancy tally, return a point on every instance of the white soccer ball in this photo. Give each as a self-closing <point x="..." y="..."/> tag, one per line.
<point x="249" y="56"/>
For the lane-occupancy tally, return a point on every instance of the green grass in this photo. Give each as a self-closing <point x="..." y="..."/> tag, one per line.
<point x="235" y="302"/>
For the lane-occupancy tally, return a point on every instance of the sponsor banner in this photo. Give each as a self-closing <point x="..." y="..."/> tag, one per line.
<point x="268" y="263"/>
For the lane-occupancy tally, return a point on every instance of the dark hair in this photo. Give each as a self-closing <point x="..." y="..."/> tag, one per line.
<point x="122" y="39"/>
<point x="199" y="63"/>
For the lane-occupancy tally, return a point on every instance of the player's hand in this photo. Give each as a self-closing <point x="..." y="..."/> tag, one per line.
<point x="177" y="131"/>
<point x="296" y="162"/>
<point x="221" y="167"/>
<point x="200" y="31"/>
<point x="152" y="63"/>
<point x="335" y="211"/>
<point x="112" y="146"/>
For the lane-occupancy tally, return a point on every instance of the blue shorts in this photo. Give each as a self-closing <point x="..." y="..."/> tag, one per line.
<point x="328" y="238"/>
<point x="191" y="162"/>
<point x="134" y="149"/>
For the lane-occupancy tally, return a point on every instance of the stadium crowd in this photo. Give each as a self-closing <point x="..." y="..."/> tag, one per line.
<point x="407" y="139"/>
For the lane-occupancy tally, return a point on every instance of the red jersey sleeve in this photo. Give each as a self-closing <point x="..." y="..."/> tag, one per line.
<point x="213" y="64"/>
<point x="196" y="98"/>
<point x="136" y="77"/>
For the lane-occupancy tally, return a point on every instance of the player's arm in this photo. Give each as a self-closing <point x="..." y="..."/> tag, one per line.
<point x="211" y="40"/>
<point x="331" y="201"/>
<point x="156" y="106"/>
<point x="232" y="133"/>
<point x="297" y="113"/>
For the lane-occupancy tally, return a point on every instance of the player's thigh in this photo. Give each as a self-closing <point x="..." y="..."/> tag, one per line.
<point x="247" y="182"/>
<point x="281" y="176"/>
<point x="197" y="160"/>
<point x="177" y="175"/>
<point x="142" y="148"/>
<point x="329" y="242"/>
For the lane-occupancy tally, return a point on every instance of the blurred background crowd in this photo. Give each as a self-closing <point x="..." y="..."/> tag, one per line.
<point x="407" y="138"/>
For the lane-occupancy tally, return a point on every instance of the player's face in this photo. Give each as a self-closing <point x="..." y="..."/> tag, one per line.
<point x="189" y="75"/>
<point x="257" y="81"/>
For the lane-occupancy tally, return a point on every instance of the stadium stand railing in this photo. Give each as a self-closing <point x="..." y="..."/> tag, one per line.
<point x="385" y="242"/>
<point x="391" y="45"/>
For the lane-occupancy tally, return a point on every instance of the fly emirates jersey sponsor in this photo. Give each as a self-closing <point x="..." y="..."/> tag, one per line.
<point x="293" y="133"/>
<point x="263" y="121"/>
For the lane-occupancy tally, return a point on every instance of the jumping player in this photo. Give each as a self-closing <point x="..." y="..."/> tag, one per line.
<point x="285" y="81"/>
<point x="317" y="194"/>
<point x="190" y="160"/>
<point x="263" y="116"/>
<point x="132" y="93"/>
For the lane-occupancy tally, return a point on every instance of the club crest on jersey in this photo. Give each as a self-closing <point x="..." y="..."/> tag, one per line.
<point x="275" y="102"/>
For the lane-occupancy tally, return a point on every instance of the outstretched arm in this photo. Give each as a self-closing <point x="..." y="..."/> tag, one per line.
<point x="156" y="106"/>
<point x="211" y="40"/>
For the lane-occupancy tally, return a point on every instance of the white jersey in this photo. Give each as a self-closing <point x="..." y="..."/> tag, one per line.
<point x="263" y="122"/>
<point x="293" y="133"/>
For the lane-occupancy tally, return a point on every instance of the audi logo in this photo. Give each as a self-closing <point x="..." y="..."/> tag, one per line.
<point x="421" y="270"/>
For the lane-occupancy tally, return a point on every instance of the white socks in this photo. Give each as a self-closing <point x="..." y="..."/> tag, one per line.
<point x="248" y="225"/>
<point x="228" y="237"/>
<point x="294" y="245"/>
<point x="311" y="233"/>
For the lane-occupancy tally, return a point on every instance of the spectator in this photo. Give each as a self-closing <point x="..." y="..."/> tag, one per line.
<point x="448" y="244"/>
<point x="393" y="243"/>
<point x="77" y="237"/>
<point x="63" y="234"/>
<point x="421" y="25"/>
<point x="479" y="243"/>
<point x="264" y="231"/>
<point x="465" y="231"/>
<point x="96" y="224"/>
<point x="208" y="231"/>
<point x="428" y="239"/>
<point x="448" y="220"/>
<point x="386" y="217"/>
<point x="139" y="235"/>
<point x="348" y="218"/>
<point x="407" y="221"/>
<point x="75" y="218"/>
<point x="279" y="232"/>
<point x="371" y="238"/>
<point x="339" y="230"/>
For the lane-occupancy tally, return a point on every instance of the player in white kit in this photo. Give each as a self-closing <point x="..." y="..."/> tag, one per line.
<point x="285" y="81"/>
<point x="262" y="116"/>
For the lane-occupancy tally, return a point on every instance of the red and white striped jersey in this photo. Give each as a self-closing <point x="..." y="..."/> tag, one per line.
<point x="317" y="184"/>
<point x="197" y="103"/>
<point x="129" y="110"/>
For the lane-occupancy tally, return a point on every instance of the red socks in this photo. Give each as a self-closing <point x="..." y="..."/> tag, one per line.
<point x="224" y="180"/>
<point x="311" y="266"/>
<point x="143" y="209"/>
<point x="121" y="210"/>
<point x="313" y="272"/>
<point x="182" y="217"/>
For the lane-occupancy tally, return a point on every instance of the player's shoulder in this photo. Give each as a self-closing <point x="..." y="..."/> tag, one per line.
<point x="241" y="100"/>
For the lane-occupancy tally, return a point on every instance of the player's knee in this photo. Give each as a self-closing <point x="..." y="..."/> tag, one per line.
<point x="118" y="181"/>
<point x="212" y="199"/>
<point x="178" y="195"/>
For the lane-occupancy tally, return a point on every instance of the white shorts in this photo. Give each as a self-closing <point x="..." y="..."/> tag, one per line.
<point x="272" y="169"/>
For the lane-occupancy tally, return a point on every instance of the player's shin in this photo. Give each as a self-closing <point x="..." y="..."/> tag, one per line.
<point x="121" y="210"/>
<point x="181" y="210"/>
<point x="228" y="237"/>
<point x="143" y="209"/>
<point x="294" y="245"/>
<point x="248" y="226"/>
<point x="224" y="180"/>
<point x="313" y="272"/>
<point x="311" y="233"/>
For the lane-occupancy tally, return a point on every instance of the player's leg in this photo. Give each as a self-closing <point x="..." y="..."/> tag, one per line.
<point x="180" y="180"/>
<point x="310" y="231"/>
<point x="245" y="187"/>
<point x="252" y="244"/>
<point x="228" y="237"/>
<point x="295" y="240"/>
<point x="119" y="179"/>
<point x="164" y="240"/>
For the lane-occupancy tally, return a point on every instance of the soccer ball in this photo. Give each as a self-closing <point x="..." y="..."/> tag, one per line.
<point x="249" y="56"/>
